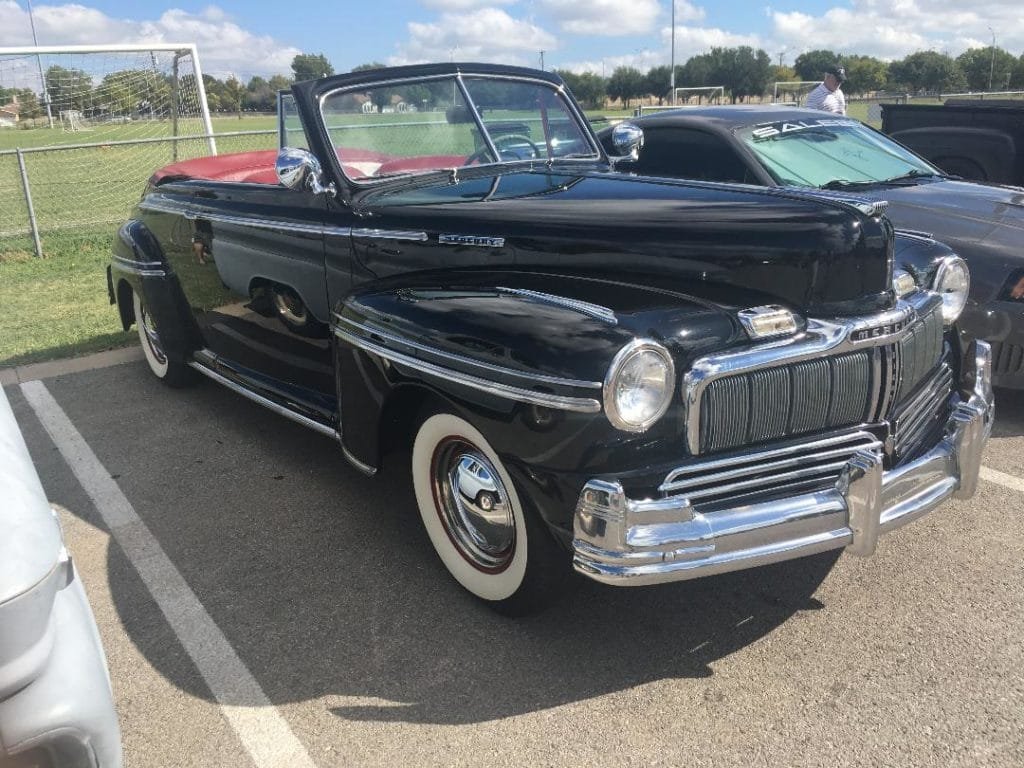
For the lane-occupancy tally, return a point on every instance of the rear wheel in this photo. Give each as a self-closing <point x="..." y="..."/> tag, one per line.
<point x="476" y="521"/>
<point x="172" y="373"/>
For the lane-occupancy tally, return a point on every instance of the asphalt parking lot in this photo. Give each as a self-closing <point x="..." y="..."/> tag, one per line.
<point x="261" y="603"/>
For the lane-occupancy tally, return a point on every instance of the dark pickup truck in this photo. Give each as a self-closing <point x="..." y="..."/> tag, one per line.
<point x="980" y="140"/>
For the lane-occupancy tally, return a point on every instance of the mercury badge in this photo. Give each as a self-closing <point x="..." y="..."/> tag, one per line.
<point x="485" y="242"/>
<point x="878" y="331"/>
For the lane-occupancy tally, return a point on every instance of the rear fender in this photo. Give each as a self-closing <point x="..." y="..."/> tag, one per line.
<point x="139" y="265"/>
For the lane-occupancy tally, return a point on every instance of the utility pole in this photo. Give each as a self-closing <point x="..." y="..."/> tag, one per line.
<point x="542" y="60"/>
<point x="39" y="63"/>
<point x="672" y="74"/>
<point x="992" y="64"/>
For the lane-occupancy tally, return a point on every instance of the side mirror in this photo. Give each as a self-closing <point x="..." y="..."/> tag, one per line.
<point x="299" y="169"/>
<point x="628" y="139"/>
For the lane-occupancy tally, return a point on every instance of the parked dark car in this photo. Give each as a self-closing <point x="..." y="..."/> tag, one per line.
<point x="783" y="147"/>
<point x="978" y="139"/>
<point x="653" y="380"/>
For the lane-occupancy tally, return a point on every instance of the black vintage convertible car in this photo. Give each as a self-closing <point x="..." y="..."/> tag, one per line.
<point x="780" y="146"/>
<point x="652" y="380"/>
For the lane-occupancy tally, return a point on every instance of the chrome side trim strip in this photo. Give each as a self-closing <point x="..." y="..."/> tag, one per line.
<point x="489" y="367"/>
<point x="559" y="402"/>
<point x="141" y="268"/>
<point x="604" y="314"/>
<point x="298" y="418"/>
<point x="389" y="234"/>
<point x="192" y="214"/>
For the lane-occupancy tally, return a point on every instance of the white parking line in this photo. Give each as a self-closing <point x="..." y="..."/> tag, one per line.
<point x="265" y="734"/>
<point x="1007" y="481"/>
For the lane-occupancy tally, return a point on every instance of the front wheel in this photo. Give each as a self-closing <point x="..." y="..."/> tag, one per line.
<point x="476" y="521"/>
<point x="172" y="373"/>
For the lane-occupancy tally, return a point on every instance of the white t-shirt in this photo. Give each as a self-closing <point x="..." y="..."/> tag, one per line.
<point x="829" y="101"/>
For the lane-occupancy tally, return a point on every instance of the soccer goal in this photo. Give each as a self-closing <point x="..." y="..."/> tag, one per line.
<point x="710" y="94"/>
<point x="71" y="121"/>
<point x="793" y="92"/>
<point x="93" y="123"/>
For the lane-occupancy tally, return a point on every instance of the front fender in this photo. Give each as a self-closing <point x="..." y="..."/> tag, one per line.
<point x="522" y="355"/>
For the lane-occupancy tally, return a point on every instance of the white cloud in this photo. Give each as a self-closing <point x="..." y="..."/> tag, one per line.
<point x="223" y="45"/>
<point x="463" y="5"/>
<point x="487" y="34"/>
<point x="892" y="29"/>
<point x="607" y="18"/>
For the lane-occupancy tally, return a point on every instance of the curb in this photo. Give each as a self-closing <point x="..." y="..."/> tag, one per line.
<point x="49" y="370"/>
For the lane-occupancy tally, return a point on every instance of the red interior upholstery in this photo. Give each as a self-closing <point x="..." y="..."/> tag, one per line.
<point x="255" y="167"/>
<point x="258" y="167"/>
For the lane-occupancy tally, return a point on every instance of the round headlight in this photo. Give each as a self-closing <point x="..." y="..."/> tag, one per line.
<point x="638" y="387"/>
<point x="952" y="282"/>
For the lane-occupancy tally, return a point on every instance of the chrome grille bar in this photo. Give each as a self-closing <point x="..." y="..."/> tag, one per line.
<point x="810" y="464"/>
<point x="922" y="411"/>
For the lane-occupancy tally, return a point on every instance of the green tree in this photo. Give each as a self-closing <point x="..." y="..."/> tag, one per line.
<point x="367" y="66"/>
<point x="214" y="93"/>
<point x="310" y="66"/>
<point x="626" y="83"/>
<point x="588" y="88"/>
<point x="68" y="88"/>
<point x="983" y="67"/>
<point x="259" y="96"/>
<point x="657" y="82"/>
<point x="864" y="74"/>
<point x="280" y="83"/>
<point x="927" y="71"/>
<point x="233" y="94"/>
<point x="1017" y="80"/>
<point x="696" y="72"/>
<point x="811" y="65"/>
<point x="782" y="74"/>
<point x="120" y="92"/>
<point x="743" y="71"/>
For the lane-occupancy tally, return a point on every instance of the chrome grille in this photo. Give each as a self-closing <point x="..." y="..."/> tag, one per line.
<point x="913" y="420"/>
<point x="828" y="392"/>
<point x="918" y="350"/>
<point x="797" y="467"/>
<point x="784" y="400"/>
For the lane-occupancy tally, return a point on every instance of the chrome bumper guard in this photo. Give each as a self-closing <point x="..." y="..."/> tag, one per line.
<point x="630" y="542"/>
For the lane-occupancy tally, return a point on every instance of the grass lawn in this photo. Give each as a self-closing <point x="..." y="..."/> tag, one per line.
<point x="58" y="307"/>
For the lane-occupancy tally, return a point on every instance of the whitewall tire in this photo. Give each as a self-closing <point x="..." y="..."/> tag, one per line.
<point x="476" y="520"/>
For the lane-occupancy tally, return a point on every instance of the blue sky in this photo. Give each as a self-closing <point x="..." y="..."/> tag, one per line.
<point x="259" y="37"/>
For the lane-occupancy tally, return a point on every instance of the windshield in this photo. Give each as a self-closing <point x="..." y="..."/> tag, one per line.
<point x="817" y="152"/>
<point x="434" y="124"/>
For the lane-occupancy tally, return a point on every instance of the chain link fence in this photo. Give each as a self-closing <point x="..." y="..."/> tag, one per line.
<point x="63" y="190"/>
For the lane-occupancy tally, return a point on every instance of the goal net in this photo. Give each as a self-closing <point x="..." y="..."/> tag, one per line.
<point x="697" y="95"/>
<point x="91" y="124"/>
<point x="793" y="92"/>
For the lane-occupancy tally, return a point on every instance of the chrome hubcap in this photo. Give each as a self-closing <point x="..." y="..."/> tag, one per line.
<point x="152" y="338"/>
<point x="290" y="307"/>
<point x="473" y="505"/>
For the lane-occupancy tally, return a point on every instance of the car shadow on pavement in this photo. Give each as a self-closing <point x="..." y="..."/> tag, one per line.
<point x="326" y="584"/>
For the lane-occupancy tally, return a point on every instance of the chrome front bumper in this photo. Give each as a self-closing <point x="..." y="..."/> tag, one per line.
<point x="629" y="542"/>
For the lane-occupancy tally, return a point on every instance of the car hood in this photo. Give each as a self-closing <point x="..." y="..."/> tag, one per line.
<point x="813" y="254"/>
<point x="959" y="212"/>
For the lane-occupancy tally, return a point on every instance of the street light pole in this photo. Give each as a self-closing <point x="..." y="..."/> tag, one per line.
<point x="672" y="73"/>
<point x="992" y="65"/>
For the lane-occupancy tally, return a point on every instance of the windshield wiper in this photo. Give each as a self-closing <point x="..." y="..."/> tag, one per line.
<point x="912" y="175"/>
<point x="905" y="179"/>
<point x="847" y="184"/>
